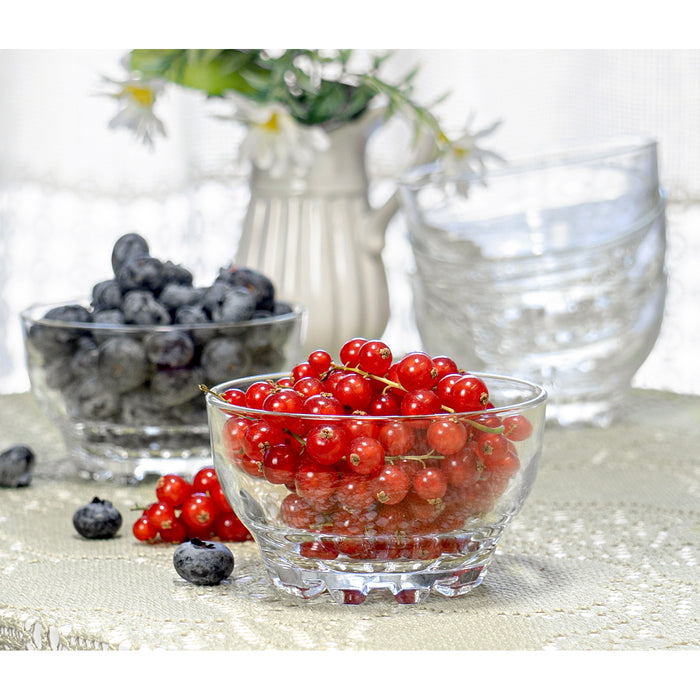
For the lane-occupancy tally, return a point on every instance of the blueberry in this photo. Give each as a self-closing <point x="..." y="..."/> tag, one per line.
<point x="236" y="304"/>
<point x="92" y="399"/>
<point x="175" y="295"/>
<point x="203" y="563"/>
<point x="142" y="272"/>
<point x="56" y="338"/>
<point x="16" y="466"/>
<point x="130" y="245"/>
<point x="256" y="282"/>
<point x="224" y="359"/>
<point x="190" y="314"/>
<point x="143" y="309"/>
<point x="176" y="274"/>
<point x="106" y="295"/>
<point x="139" y="408"/>
<point x="169" y="348"/>
<point x="122" y="363"/>
<point x="98" y="520"/>
<point x="172" y="387"/>
<point x="58" y="372"/>
<point x="83" y="363"/>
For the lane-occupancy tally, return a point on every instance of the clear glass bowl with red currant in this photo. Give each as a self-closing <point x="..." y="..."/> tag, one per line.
<point x="368" y="472"/>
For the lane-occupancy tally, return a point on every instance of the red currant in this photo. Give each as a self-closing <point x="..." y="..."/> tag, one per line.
<point x="308" y="386"/>
<point x="199" y="511"/>
<point x="447" y="436"/>
<point x="172" y="489"/>
<point x="355" y="492"/>
<point x="420" y="402"/>
<point x="430" y="483"/>
<point x="144" y="530"/>
<point x="297" y="513"/>
<point x="365" y="455"/>
<point x="323" y="404"/>
<point x="417" y="371"/>
<point x="468" y="394"/>
<point x="354" y="391"/>
<point x="375" y="357"/>
<point x="391" y="485"/>
<point x="234" y="396"/>
<point x="385" y="404"/>
<point x="444" y="365"/>
<point x="257" y="392"/>
<point x="491" y="448"/>
<point x="280" y="464"/>
<point x="517" y="428"/>
<point x="232" y="435"/>
<point x="175" y="534"/>
<point x="320" y="361"/>
<point x="397" y="438"/>
<point x="303" y="369"/>
<point x="327" y="443"/>
<point x="350" y="352"/>
<point x="228" y="528"/>
<point x="161" y="515"/>
<point x="259" y="437"/>
<point x="203" y="480"/>
<point x="316" y="482"/>
<point x="462" y="468"/>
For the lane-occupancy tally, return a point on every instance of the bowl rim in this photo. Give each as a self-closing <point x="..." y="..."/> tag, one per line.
<point x="30" y="315"/>
<point x="540" y="397"/>
<point x="572" y="153"/>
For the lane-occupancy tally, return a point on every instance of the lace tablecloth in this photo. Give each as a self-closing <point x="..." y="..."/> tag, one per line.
<point x="604" y="555"/>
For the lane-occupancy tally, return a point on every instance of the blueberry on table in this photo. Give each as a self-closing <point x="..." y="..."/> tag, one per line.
<point x="203" y="563"/>
<point x="16" y="466"/>
<point x="97" y="520"/>
<point x="130" y="245"/>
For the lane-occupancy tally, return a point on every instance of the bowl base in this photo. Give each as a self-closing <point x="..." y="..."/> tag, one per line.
<point x="352" y="587"/>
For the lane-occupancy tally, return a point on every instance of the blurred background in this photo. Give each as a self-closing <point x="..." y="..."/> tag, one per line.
<point x="70" y="186"/>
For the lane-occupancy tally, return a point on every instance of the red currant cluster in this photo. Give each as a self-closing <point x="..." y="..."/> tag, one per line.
<point x="185" y="510"/>
<point x="418" y="466"/>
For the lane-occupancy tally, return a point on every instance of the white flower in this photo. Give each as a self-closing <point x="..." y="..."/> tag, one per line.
<point x="137" y="98"/>
<point x="275" y="141"/>
<point x="464" y="155"/>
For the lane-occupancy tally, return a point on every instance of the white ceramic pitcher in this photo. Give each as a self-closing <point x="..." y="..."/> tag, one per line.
<point x="321" y="242"/>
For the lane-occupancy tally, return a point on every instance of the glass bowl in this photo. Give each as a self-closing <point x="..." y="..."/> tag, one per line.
<point x="552" y="268"/>
<point x="417" y="521"/>
<point x="126" y="397"/>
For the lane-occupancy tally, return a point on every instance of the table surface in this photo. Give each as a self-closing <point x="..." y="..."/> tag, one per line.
<point x="603" y="556"/>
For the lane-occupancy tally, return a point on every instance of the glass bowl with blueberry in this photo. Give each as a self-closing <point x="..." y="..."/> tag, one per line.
<point x="369" y="472"/>
<point x="120" y="372"/>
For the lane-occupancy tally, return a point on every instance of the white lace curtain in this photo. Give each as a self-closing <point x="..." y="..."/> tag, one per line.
<point x="69" y="186"/>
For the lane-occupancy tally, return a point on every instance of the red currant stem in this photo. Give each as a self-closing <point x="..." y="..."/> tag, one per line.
<point x="485" y="428"/>
<point x="418" y="458"/>
<point x="207" y="390"/>
<point x="363" y="373"/>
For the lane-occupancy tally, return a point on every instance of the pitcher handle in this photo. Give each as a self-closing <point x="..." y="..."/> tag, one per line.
<point x="381" y="216"/>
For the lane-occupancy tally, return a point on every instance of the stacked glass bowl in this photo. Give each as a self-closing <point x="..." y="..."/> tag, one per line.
<point x="551" y="269"/>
